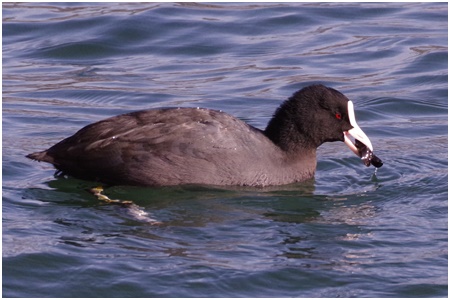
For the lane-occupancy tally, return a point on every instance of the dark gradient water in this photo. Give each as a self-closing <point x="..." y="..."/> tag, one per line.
<point x="346" y="233"/>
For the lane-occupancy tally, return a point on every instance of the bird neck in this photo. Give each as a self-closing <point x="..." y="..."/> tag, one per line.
<point x="283" y="131"/>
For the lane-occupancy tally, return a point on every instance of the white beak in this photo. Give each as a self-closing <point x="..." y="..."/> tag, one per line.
<point x="355" y="132"/>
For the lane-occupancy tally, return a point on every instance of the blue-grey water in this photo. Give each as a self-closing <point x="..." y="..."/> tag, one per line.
<point x="349" y="232"/>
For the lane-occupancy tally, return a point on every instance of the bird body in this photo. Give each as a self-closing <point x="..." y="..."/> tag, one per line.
<point x="175" y="146"/>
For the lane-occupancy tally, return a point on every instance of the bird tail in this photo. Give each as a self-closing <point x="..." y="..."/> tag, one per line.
<point x="39" y="156"/>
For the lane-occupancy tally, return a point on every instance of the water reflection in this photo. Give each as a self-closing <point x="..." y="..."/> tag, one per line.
<point x="216" y="225"/>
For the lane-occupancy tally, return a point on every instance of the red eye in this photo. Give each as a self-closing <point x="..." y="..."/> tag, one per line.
<point x="338" y="116"/>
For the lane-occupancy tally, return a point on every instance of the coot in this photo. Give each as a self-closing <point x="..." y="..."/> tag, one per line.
<point x="174" y="146"/>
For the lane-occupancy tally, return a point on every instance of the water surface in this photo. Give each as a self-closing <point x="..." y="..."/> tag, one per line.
<point x="349" y="232"/>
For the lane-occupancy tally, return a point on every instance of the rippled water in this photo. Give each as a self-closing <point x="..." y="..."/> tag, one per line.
<point x="348" y="232"/>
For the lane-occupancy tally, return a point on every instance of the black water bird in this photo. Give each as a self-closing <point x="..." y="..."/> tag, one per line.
<point x="175" y="146"/>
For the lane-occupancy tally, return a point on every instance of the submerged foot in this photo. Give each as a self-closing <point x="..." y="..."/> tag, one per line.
<point x="135" y="211"/>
